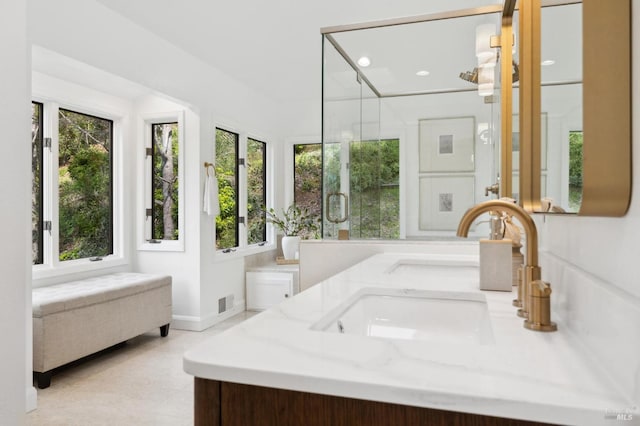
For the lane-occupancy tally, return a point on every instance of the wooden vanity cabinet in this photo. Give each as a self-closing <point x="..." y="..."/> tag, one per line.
<point x="232" y="404"/>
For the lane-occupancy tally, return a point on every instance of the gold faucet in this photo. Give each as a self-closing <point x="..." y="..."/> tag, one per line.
<point x="534" y="295"/>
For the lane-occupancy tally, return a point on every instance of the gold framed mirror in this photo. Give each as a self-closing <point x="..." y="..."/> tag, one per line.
<point x="606" y="107"/>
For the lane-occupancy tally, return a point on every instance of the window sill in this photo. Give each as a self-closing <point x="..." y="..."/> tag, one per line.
<point x="162" y="245"/>
<point x="243" y="252"/>
<point x="71" y="267"/>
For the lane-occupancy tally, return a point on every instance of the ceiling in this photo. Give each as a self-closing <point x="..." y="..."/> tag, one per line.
<point x="444" y="49"/>
<point x="273" y="46"/>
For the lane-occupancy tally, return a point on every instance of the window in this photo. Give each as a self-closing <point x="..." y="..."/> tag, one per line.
<point x="256" y="191"/>
<point x="575" y="170"/>
<point x="84" y="179"/>
<point x="227" y="173"/>
<point x="84" y="170"/>
<point x="307" y="177"/>
<point x="162" y="194"/>
<point x="367" y="173"/>
<point x="36" y="183"/>
<point x="165" y="197"/>
<point x="242" y="197"/>
<point x="374" y="173"/>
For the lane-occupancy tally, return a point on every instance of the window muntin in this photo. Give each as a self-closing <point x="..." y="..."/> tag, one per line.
<point x="227" y="154"/>
<point x="85" y="190"/>
<point x="37" y="194"/>
<point x="256" y="191"/>
<point x="165" y="182"/>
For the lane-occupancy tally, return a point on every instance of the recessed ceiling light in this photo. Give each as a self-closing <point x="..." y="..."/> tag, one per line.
<point x="548" y="62"/>
<point x="422" y="73"/>
<point x="364" y="61"/>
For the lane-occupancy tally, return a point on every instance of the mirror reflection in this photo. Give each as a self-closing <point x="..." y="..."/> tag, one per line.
<point x="411" y="125"/>
<point x="410" y="142"/>
<point x="561" y="105"/>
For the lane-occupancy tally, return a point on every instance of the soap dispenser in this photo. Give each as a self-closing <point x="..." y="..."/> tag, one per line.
<point x="496" y="257"/>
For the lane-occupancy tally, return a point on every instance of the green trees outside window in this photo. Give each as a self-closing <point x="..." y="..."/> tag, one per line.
<point x="232" y="189"/>
<point x="374" y="172"/>
<point x="227" y="174"/>
<point x="373" y="186"/>
<point x="84" y="185"/>
<point x="165" y="181"/>
<point x="256" y="191"/>
<point x="575" y="170"/>
<point x="307" y="174"/>
<point x="36" y="183"/>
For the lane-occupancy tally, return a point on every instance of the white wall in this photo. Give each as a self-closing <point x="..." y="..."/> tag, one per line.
<point x="593" y="262"/>
<point x="15" y="200"/>
<point x="606" y="247"/>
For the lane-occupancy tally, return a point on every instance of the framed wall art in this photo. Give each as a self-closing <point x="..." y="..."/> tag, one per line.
<point x="443" y="201"/>
<point x="447" y="145"/>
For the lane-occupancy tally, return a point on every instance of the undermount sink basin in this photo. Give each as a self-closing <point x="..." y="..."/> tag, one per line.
<point x="433" y="266"/>
<point x="438" y="316"/>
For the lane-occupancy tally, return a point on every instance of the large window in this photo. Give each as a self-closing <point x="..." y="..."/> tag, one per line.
<point x="83" y="167"/>
<point x="374" y="172"/>
<point x="367" y="173"/>
<point x="242" y="196"/>
<point x="85" y="190"/>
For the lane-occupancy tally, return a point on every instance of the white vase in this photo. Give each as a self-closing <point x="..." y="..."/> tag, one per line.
<point x="290" y="247"/>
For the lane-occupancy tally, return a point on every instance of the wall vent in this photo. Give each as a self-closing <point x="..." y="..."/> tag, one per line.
<point x="225" y="303"/>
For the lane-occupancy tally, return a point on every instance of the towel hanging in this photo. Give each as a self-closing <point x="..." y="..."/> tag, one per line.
<point x="211" y="204"/>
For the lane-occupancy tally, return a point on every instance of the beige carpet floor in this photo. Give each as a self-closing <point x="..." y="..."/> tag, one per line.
<point x="139" y="383"/>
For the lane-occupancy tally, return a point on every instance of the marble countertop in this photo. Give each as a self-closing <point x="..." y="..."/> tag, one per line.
<point x="274" y="267"/>
<point x="524" y="375"/>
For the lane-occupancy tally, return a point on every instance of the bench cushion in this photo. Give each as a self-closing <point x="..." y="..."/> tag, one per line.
<point x="91" y="291"/>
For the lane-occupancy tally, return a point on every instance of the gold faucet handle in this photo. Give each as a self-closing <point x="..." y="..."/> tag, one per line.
<point x="539" y="318"/>
<point x="540" y="288"/>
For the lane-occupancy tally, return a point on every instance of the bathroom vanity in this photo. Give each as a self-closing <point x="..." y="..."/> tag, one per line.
<point x="355" y="349"/>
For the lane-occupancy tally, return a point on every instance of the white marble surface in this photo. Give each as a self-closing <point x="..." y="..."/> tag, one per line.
<point x="529" y="375"/>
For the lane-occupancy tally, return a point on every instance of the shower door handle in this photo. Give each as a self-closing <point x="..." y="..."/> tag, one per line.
<point x="331" y="219"/>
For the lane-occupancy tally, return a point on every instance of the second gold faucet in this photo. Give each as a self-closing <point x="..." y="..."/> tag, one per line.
<point x="534" y="295"/>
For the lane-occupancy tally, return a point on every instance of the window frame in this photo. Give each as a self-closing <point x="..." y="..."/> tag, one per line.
<point x="145" y="166"/>
<point x="51" y="266"/>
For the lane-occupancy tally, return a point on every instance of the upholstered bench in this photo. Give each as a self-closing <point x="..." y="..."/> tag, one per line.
<point x="75" y="319"/>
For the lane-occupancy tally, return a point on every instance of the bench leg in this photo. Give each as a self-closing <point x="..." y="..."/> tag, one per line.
<point x="164" y="330"/>
<point x="43" y="379"/>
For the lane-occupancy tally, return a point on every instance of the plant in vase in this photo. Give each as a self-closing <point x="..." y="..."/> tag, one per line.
<point x="295" y="223"/>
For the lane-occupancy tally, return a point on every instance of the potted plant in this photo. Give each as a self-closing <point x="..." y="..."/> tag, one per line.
<point x="295" y="223"/>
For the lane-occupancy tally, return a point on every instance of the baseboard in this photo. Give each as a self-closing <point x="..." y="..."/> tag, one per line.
<point x="32" y="398"/>
<point x="192" y="323"/>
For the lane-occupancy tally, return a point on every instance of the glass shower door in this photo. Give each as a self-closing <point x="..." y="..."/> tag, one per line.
<point x="360" y="171"/>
